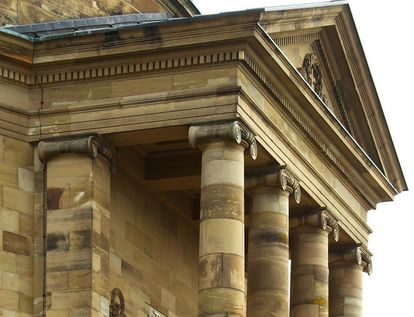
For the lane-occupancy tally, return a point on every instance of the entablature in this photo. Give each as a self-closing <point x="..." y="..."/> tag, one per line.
<point x="156" y="49"/>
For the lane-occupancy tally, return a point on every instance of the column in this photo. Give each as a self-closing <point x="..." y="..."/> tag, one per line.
<point x="346" y="266"/>
<point x="268" y="246"/>
<point x="77" y="227"/>
<point x="221" y="253"/>
<point x="309" y="272"/>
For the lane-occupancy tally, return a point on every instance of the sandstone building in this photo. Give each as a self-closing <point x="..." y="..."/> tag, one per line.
<point x="166" y="163"/>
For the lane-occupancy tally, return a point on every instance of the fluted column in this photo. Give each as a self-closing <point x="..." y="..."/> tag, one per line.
<point x="268" y="248"/>
<point x="346" y="266"/>
<point x="78" y="213"/>
<point x="309" y="282"/>
<point x="221" y="253"/>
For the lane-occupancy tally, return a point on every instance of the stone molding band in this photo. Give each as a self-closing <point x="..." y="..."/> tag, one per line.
<point x="277" y="176"/>
<point x="321" y="218"/>
<point x="233" y="131"/>
<point x="91" y="145"/>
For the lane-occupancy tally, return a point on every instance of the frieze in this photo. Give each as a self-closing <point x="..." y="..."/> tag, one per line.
<point x="296" y="39"/>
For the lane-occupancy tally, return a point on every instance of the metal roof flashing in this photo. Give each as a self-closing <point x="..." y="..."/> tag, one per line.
<point x="76" y="27"/>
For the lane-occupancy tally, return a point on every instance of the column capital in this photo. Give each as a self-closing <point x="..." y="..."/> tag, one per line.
<point x="277" y="176"/>
<point x="91" y="145"/>
<point x="319" y="218"/>
<point x="353" y="254"/>
<point x="232" y="131"/>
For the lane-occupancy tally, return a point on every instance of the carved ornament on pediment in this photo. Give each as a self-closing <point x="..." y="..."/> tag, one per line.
<point x="233" y="131"/>
<point x="312" y="73"/>
<point x="277" y="176"/>
<point x="117" y="305"/>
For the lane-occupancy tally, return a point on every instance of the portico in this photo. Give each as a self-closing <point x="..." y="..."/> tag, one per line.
<point x="181" y="163"/>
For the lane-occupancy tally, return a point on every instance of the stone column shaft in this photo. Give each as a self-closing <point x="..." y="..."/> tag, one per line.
<point x="345" y="282"/>
<point x="221" y="253"/>
<point x="268" y="248"/>
<point x="78" y="212"/>
<point x="309" y="283"/>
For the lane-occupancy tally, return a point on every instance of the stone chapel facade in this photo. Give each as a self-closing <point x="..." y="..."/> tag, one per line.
<point x="166" y="163"/>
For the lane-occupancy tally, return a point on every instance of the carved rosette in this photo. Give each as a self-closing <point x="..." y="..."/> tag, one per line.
<point x="274" y="176"/>
<point x="233" y="131"/>
<point x="330" y="224"/>
<point x="117" y="306"/>
<point x="91" y="145"/>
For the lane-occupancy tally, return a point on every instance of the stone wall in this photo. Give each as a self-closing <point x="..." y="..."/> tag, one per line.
<point x="16" y="227"/>
<point x="153" y="252"/>
<point x="33" y="11"/>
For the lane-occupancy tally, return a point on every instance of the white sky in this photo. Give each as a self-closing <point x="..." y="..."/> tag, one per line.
<point x="385" y="29"/>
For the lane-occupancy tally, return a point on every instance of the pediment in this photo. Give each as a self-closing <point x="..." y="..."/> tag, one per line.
<point x="322" y="44"/>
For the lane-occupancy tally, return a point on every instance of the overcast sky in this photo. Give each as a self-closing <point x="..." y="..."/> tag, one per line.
<point x="385" y="29"/>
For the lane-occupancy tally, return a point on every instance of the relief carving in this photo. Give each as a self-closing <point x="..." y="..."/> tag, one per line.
<point x="233" y="131"/>
<point x="117" y="306"/>
<point x="330" y="224"/>
<point x="311" y="72"/>
<point x="91" y="145"/>
<point x="277" y="176"/>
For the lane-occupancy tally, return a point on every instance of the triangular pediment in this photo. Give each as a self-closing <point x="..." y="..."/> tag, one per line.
<point x="321" y="42"/>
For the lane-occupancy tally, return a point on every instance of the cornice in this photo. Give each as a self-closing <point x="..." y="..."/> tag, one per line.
<point x="368" y="95"/>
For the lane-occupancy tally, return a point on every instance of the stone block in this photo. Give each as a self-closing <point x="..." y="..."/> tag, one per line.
<point x="25" y="303"/>
<point x="8" y="262"/>
<point x="24" y="266"/>
<point x="16" y="243"/>
<point x="69" y="261"/>
<point x="70" y="300"/>
<point x="115" y="264"/>
<point x="9" y="299"/>
<point x="57" y="281"/>
<point x="224" y="172"/>
<point x="9" y="220"/>
<point x="17" y="153"/>
<point x="26" y="225"/>
<point x="16" y="199"/>
<point x="25" y="179"/>
<point x="168" y="300"/>
<point x="8" y="175"/>
<point x="222" y="236"/>
<point x="80" y="279"/>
